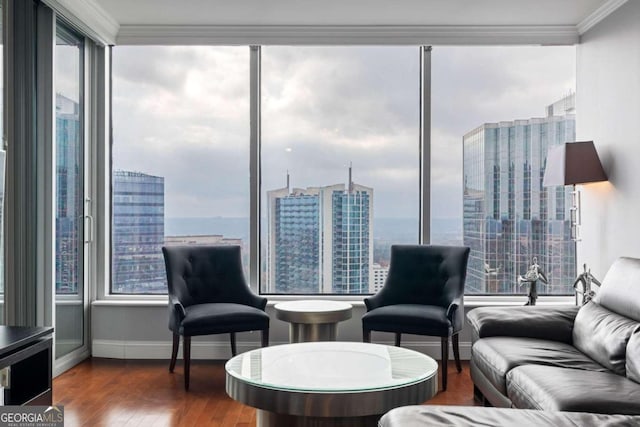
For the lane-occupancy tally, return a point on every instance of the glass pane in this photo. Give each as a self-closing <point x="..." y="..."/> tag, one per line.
<point x="340" y="165"/>
<point x="180" y="173"/>
<point x="69" y="140"/>
<point x="496" y="111"/>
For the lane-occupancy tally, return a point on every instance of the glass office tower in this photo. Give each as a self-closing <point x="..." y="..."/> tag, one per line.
<point x="509" y="217"/>
<point x="68" y="200"/>
<point x="320" y="239"/>
<point x="138" y="233"/>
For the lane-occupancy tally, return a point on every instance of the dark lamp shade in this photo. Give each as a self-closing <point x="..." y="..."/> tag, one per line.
<point x="573" y="163"/>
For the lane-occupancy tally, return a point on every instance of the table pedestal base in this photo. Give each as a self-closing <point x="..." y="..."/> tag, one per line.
<point x="309" y="332"/>
<point x="271" y="419"/>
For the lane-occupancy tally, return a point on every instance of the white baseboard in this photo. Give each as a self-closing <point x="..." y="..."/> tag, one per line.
<point x="115" y="349"/>
<point x="68" y="361"/>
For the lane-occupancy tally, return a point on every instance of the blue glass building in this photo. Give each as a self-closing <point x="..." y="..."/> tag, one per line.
<point x="320" y="240"/>
<point x="69" y="203"/>
<point x="508" y="216"/>
<point x="351" y="252"/>
<point x="138" y="233"/>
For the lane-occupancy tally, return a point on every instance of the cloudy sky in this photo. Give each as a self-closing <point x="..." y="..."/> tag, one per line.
<point x="183" y="113"/>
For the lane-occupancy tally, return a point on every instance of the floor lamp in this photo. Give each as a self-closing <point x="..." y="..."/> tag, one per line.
<point x="570" y="164"/>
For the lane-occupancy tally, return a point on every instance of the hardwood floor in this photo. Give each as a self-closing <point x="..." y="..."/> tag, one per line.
<point x="110" y="392"/>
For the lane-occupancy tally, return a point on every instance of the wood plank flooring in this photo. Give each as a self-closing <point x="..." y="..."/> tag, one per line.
<point x="110" y="392"/>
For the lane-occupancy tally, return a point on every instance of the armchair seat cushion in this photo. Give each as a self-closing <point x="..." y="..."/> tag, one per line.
<point x="409" y="319"/>
<point x="496" y="356"/>
<point x="557" y="389"/>
<point x="216" y="318"/>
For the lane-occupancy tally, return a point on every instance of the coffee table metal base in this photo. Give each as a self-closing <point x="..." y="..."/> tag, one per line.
<point x="308" y="332"/>
<point x="271" y="419"/>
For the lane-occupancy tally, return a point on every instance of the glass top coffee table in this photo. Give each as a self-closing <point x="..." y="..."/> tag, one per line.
<point x="329" y="383"/>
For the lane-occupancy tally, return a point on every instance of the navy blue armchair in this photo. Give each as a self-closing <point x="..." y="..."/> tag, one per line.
<point x="423" y="295"/>
<point x="208" y="294"/>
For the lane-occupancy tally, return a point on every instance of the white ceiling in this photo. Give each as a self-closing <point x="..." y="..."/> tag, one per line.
<point x="351" y="12"/>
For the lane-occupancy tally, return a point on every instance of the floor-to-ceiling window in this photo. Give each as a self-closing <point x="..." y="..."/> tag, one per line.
<point x="339" y="157"/>
<point x="70" y="194"/>
<point x="180" y="157"/>
<point x="339" y="163"/>
<point x="496" y="111"/>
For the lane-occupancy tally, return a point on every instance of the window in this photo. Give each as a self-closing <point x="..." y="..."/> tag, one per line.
<point x="340" y="165"/>
<point x="339" y="161"/>
<point x="70" y="190"/>
<point x="69" y="105"/>
<point x="496" y="111"/>
<point x="180" y="156"/>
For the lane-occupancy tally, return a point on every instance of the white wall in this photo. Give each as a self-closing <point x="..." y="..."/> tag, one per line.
<point x="141" y="332"/>
<point x="608" y="112"/>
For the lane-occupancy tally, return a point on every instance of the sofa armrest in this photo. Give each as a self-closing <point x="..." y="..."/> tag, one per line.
<point x="542" y="322"/>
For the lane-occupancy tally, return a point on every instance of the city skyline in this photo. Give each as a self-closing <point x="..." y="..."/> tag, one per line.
<point x="365" y="100"/>
<point x="336" y="104"/>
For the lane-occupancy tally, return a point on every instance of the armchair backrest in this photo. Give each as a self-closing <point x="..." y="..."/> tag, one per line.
<point x="207" y="274"/>
<point x="425" y="274"/>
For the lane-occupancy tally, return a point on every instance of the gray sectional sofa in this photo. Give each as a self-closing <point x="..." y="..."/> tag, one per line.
<point x="566" y="358"/>
<point x="473" y="416"/>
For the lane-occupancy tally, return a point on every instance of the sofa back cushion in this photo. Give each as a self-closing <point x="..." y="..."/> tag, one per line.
<point x="620" y="290"/>
<point x="603" y="336"/>
<point x="633" y="358"/>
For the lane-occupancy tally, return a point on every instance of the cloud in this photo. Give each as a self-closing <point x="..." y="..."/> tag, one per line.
<point x="183" y="113"/>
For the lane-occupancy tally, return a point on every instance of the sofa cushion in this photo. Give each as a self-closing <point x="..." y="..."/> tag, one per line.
<point x="633" y="358"/>
<point x="620" y="290"/>
<point x="470" y="416"/>
<point x="496" y="356"/>
<point x="603" y="335"/>
<point x="559" y="389"/>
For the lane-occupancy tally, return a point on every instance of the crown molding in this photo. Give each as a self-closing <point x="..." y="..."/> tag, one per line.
<point x="598" y="15"/>
<point x="88" y="17"/>
<point x="346" y="34"/>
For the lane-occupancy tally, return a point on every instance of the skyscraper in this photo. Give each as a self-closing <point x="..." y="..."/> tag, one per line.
<point x="320" y="239"/>
<point x="69" y="203"/>
<point x="138" y="233"/>
<point x="509" y="217"/>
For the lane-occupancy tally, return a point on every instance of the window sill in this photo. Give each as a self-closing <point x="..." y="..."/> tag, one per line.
<point x="469" y="302"/>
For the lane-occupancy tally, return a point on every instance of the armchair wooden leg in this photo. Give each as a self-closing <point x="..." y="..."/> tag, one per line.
<point x="174" y="352"/>
<point x="366" y="335"/>
<point x="186" y="350"/>
<point x="234" y="350"/>
<point x="398" y="334"/>
<point x="445" y="358"/>
<point x="456" y="352"/>
<point x="265" y="337"/>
